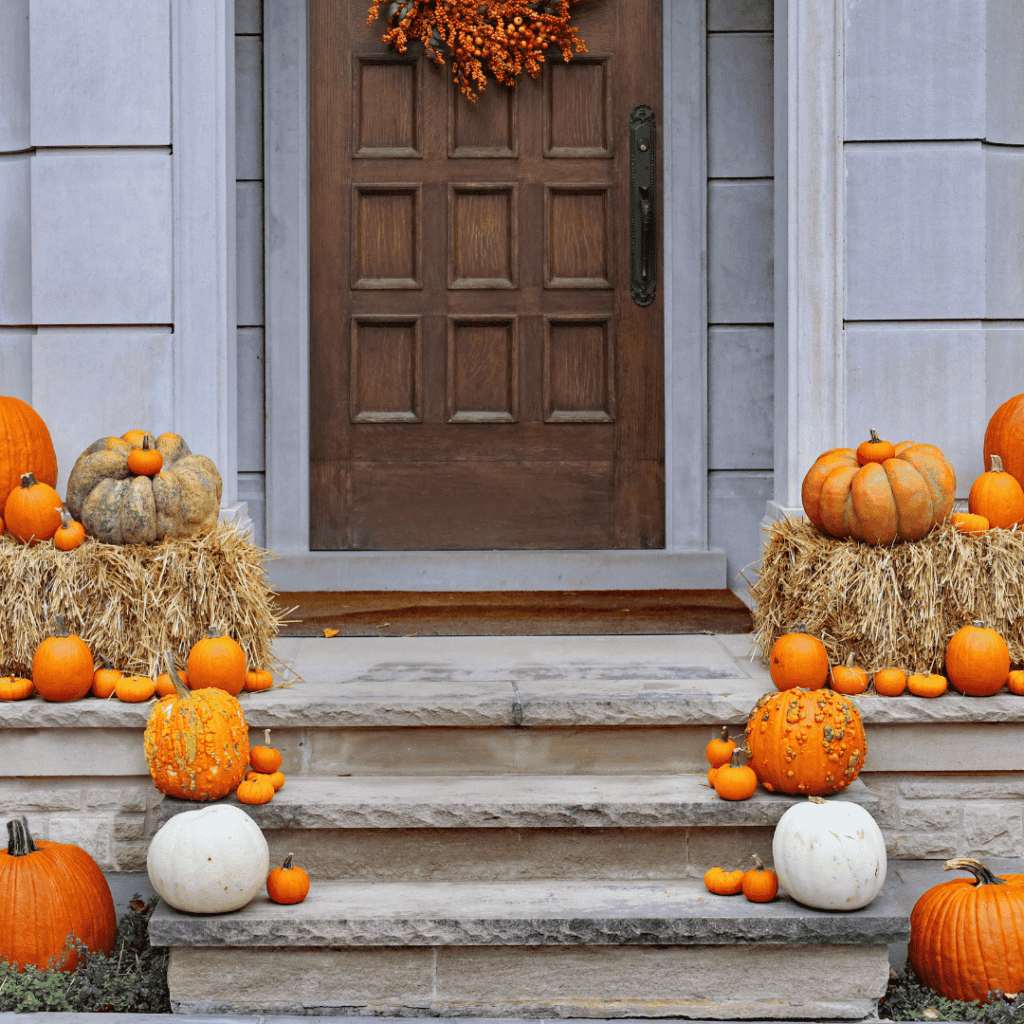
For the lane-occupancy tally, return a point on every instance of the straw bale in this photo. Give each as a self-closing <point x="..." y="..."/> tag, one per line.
<point x="889" y="606"/>
<point x="131" y="603"/>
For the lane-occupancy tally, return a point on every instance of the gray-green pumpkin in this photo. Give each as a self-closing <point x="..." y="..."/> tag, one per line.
<point x="119" y="507"/>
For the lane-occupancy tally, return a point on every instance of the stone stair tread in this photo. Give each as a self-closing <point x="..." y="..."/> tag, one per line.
<point x="545" y="912"/>
<point x="511" y="801"/>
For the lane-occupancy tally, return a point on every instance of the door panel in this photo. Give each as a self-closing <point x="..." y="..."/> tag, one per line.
<point x="480" y="377"/>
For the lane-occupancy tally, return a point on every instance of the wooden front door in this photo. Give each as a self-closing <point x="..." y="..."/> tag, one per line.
<point x="480" y="377"/>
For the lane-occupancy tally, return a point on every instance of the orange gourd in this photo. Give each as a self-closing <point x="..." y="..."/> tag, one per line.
<point x="276" y="779"/>
<point x="62" y="666"/>
<point x="760" y="885"/>
<point x="719" y="750"/>
<point x="890" y="682"/>
<point x="798" y="659"/>
<point x="288" y="883"/>
<point x="805" y="741"/>
<point x="965" y="522"/>
<point x="255" y="789"/>
<point x="875" y="450"/>
<point x="134" y="689"/>
<point x="977" y="660"/>
<point x="927" y="684"/>
<point x="265" y="759"/>
<point x="849" y="679"/>
<point x="723" y="883"/>
<point x="32" y="511"/>
<point x="1004" y="436"/>
<point x="26" y="447"/>
<point x="15" y="688"/>
<point x="735" y="781"/>
<point x="217" y="661"/>
<point x="70" y="534"/>
<point x="901" y="498"/>
<point x="258" y="679"/>
<point x="197" y="743"/>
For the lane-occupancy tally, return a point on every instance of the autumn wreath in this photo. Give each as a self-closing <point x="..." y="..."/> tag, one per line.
<point x="509" y="37"/>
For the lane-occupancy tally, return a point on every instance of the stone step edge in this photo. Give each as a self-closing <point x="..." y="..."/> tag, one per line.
<point x="519" y="801"/>
<point x="666" y="912"/>
<point x="47" y="1017"/>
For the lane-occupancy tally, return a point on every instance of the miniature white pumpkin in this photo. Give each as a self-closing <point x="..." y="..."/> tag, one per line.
<point x="829" y="854"/>
<point x="208" y="861"/>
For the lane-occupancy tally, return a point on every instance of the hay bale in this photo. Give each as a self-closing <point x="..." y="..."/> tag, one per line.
<point x="132" y="603"/>
<point x="889" y="606"/>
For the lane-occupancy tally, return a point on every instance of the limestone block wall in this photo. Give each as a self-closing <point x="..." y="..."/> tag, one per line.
<point x="934" y="198"/>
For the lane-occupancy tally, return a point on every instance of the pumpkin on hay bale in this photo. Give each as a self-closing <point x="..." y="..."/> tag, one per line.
<point x="888" y="606"/>
<point x="135" y="602"/>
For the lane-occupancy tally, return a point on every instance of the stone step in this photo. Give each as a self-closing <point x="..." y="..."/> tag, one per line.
<point x="454" y="828"/>
<point x="542" y="948"/>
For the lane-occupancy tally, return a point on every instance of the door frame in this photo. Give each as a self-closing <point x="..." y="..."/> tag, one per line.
<point x="685" y="562"/>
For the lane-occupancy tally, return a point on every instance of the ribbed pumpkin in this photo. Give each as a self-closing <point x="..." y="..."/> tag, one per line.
<point x="118" y="507"/>
<point x="997" y="496"/>
<point x="1004" y="436"/>
<point x="197" y="743"/>
<point x="25" y="446"/>
<point x="805" y="741"/>
<point x="901" y="498"/>
<point x="977" y="660"/>
<point x="966" y="938"/>
<point x="47" y="891"/>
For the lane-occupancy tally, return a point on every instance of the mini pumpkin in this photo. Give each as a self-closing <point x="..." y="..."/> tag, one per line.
<point x="265" y="758"/>
<point x="997" y="496"/>
<point x="62" y="666"/>
<point x="719" y="750"/>
<point x="965" y="522"/>
<point x="849" y="679"/>
<point x="723" y="883"/>
<point x="147" y="460"/>
<point x="875" y="450"/>
<point x="890" y="682"/>
<point x="70" y="534"/>
<point x="134" y="689"/>
<point x="805" y="741"/>
<point x="276" y="779"/>
<point x="965" y="935"/>
<point x="15" y="688"/>
<point x="104" y="679"/>
<point x="118" y="507"/>
<point x="218" y="660"/>
<point x="977" y="660"/>
<point x="164" y="682"/>
<point x="735" y="780"/>
<point x="255" y="789"/>
<point x="927" y="684"/>
<point x="288" y="883"/>
<point x="258" y="679"/>
<point x="32" y="511"/>
<point x="798" y="659"/>
<point x="760" y="885"/>
<point x="900" y="498"/>
<point x="1015" y="682"/>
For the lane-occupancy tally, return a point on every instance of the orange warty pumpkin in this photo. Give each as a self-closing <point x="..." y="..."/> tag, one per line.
<point x="805" y="741"/>
<point x="1004" y="436"/>
<point x="901" y="498"/>
<point x="965" y="934"/>
<point x="977" y="660"/>
<point x="197" y="744"/>
<point x="798" y="659"/>
<point x="25" y="446"/>
<point x="47" y="891"/>
<point x="997" y="496"/>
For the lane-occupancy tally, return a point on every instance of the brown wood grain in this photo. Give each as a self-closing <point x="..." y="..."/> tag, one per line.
<point x="479" y="375"/>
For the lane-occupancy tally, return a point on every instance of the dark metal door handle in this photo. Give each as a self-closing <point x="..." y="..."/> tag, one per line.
<point x="643" y="251"/>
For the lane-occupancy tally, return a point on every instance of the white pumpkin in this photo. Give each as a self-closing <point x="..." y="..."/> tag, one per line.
<point x="829" y="854"/>
<point x="209" y="861"/>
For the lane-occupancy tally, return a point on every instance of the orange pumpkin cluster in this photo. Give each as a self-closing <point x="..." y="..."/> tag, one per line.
<point x="506" y="36"/>
<point x="266" y="778"/>
<point x="759" y="884"/>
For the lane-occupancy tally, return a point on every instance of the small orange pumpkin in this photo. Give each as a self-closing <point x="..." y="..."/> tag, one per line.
<point x="276" y="779"/>
<point x="104" y="678"/>
<point x="724" y="883"/>
<point x="255" y="789"/>
<point x="890" y="682"/>
<point x="875" y="450"/>
<point x="265" y="759"/>
<point x="719" y="750"/>
<point x="1015" y="682"/>
<point x="31" y="511"/>
<point x="15" y="688"/>
<point x="288" y="883"/>
<point x="798" y="659"/>
<point x="145" y="461"/>
<point x="164" y="683"/>
<point x="258" y="679"/>
<point x="219" y="661"/>
<point x="997" y="496"/>
<point x="62" y="667"/>
<point x="735" y="780"/>
<point x="926" y="684"/>
<point x="849" y="678"/>
<point x="70" y="534"/>
<point x="977" y="660"/>
<point x="965" y="522"/>
<point x="134" y="689"/>
<point x="760" y="885"/>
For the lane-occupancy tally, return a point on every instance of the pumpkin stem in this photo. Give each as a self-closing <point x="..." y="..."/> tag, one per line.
<point x="266" y="737"/>
<point x="19" y="840"/>
<point x="978" y="624"/>
<point x="799" y="627"/>
<point x="758" y="863"/>
<point x="995" y="464"/>
<point x="874" y="439"/>
<point x="145" y="442"/>
<point x="817" y="800"/>
<point x="28" y="480"/>
<point x="180" y="689"/>
<point x="725" y="734"/>
<point x="287" y="865"/>
<point x="65" y="517"/>
<point x="983" y="875"/>
<point x="61" y="623"/>
<point x="733" y="762"/>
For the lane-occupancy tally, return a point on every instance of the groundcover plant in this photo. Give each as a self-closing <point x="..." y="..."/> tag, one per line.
<point x="908" y="999"/>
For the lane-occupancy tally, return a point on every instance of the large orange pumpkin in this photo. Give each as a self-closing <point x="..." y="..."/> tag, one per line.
<point x="197" y="743"/>
<point x="25" y="446"/>
<point x="965" y="935"/>
<point x="48" y="891"/>
<point x="805" y="741"/>
<point x="1004" y="436"/>
<point x="901" y="498"/>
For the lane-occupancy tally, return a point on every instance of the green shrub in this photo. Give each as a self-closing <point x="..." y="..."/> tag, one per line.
<point x="908" y="999"/>
<point x="133" y="979"/>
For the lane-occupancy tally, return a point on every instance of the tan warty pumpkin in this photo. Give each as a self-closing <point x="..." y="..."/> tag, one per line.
<point x="120" y="507"/>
